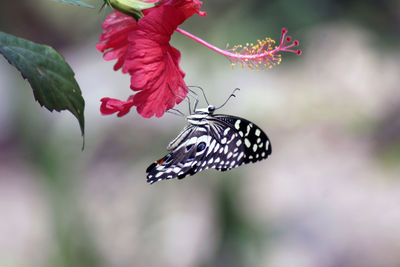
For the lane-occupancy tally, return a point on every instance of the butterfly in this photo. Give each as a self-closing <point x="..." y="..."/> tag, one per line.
<point x="217" y="141"/>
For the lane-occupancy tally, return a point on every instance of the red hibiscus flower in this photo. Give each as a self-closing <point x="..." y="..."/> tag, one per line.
<point x="142" y="49"/>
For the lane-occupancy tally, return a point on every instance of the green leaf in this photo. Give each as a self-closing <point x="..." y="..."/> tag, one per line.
<point x="50" y="77"/>
<point x="75" y="2"/>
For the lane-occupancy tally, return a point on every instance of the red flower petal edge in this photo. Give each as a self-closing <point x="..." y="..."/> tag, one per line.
<point x="114" y="39"/>
<point x="112" y="105"/>
<point x="142" y="49"/>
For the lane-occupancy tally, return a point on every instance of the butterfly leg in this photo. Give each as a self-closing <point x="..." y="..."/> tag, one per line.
<point x="202" y="91"/>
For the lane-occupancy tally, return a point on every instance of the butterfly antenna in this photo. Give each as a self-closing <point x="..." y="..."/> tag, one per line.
<point x="204" y="94"/>
<point x="226" y="101"/>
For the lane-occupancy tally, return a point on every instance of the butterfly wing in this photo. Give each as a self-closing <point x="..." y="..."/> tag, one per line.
<point x="186" y="150"/>
<point x="234" y="141"/>
<point x="223" y="143"/>
<point x="256" y="143"/>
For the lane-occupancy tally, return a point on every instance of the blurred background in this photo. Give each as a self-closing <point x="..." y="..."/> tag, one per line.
<point x="329" y="195"/>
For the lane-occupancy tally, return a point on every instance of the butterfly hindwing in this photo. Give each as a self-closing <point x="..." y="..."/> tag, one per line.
<point x="184" y="154"/>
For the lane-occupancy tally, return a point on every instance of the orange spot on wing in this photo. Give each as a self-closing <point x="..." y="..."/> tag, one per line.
<point x="160" y="161"/>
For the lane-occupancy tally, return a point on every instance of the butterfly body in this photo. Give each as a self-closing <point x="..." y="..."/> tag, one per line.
<point x="208" y="141"/>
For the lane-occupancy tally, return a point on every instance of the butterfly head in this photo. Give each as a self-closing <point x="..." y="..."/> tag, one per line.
<point x="209" y="110"/>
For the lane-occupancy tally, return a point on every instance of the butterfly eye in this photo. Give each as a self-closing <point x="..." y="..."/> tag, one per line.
<point x="189" y="147"/>
<point x="201" y="146"/>
<point x="211" y="108"/>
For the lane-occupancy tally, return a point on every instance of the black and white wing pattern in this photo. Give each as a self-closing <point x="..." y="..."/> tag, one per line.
<point x="254" y="141"/>
<point x="221" y="142"/>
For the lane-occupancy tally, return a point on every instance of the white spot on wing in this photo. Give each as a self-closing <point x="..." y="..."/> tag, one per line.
<point x="216" y="147"/>
<point x="237" y="124"/>
<point x="226" y="131"/>
<point x="211" y="147"/>
<point x="247" y="130"/>
<point x="258" y="132"/>
<point x="254" y="147"/>
<point x="225" y="149"/>
<point x="247" y="142"/>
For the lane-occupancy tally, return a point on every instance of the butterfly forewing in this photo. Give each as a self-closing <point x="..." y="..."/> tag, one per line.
<point x="256" y="143"/>
<point x="221" y="142"/>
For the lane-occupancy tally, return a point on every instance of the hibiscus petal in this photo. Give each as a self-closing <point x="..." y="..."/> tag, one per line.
<point x="154" y="64"/>
<point x="188" y="7"/>
<point x="114" y="39"/>
<point x="112" y="105"/>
